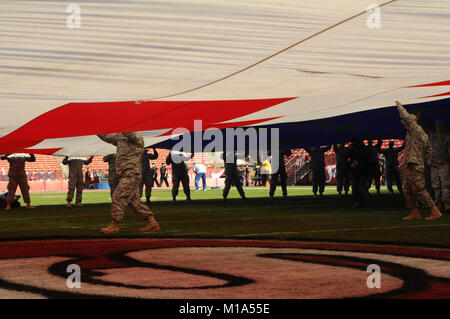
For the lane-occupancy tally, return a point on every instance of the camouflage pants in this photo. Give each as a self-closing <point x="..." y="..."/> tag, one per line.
<point x="112" y="182"/>
<point x="414" y="190"/>
<point x="24" y="189"/>
<point x="440" y="180"/>
<point x="75" y="183"/>
<point x="127" y="193"/>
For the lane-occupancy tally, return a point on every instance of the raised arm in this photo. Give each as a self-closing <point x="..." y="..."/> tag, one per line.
<point x="65" y="161"/>
<point x="401" y="148"/>
<point x="378" y="145"/>
<point x="325" y="148"/>
<point x="107" y="158"/>
<point x="109" y="138"/>
<point x="407" y="119"/>
<point x="169" y="159"/>
<point x="88" y="161"/>
<point x="32" y="158"/>
<point x="3" y="157"/>
<point x="154" y="155"/>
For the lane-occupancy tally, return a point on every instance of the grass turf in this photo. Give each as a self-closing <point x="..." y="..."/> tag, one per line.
<point x="301" y="216"/>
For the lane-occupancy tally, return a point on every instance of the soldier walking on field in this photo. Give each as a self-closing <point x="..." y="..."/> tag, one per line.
<point x="281" y="172"/>
<point x="231" y="174"/>
<point x="179" y="174"/>
<point x="417" y="152"/>
<point x="130" y="147"/>
<point x="374" y="164"/>
<point x="147" y="174"/>
<point x="318" y="168"/>
<point x="163" y="175"/>
<point x="18" y="177"/>
<point x="392" y="173"/>
<point x="112" y="178"/>
<point x="75" y="178"/>
<point x="342" y="172"/>
<point x="440" y="165"/>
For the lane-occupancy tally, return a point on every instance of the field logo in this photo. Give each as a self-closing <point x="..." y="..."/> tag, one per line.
<point x="374" y="280"/>
<point x="74" y="279"/>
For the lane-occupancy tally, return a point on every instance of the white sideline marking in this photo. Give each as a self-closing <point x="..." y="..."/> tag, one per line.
<point x="372" y="228"/>
<point x="338" y="230"/>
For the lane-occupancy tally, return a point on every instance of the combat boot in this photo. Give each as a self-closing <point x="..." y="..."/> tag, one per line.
<point x="435" y="214"/>
<point x="111" y="229"/>
<point x="415" y="214"/>
<point x="151" y="226"/>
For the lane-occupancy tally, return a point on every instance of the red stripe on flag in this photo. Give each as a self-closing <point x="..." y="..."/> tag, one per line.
<point x="431" y="84"/>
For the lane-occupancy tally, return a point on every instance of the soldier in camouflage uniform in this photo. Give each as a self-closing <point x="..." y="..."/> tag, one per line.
<point x="130" y="147"/>
<point x="417" y="152"/>
<point x="179" y="174"/>
<point x="112" y="178"/>
<point x="147" y="174"/>
<point x="75" y="178"/>
<point x="18" y="177"/>
<point x="440" y="165"/>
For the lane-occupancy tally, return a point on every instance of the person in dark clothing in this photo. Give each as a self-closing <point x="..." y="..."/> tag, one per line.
<point x="179" y="174"/>
<point x="391" y="163"/>
<point x="232" y="175"/>
<point x="342" y="172"/>
<point x="87" y="178"/>
<point x="318" y="167"/>
<point x="257" y="177"/>
<point x="155" y="175"/>
<point x="147" y="174"/>
<point x="374" y="165"/>
<point x="358" y="165"/>
<point x="281" y="172"/>
<point x="247" y="175"/>
<point x="163" y="175"/>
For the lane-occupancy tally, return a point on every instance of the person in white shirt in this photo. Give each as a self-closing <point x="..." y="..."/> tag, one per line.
<point x="200" y="173"/>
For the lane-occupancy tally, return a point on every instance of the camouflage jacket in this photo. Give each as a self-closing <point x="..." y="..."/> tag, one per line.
<point x="76" y="166"/>
<point x="17" y="164"/>
<point x="440" y="155"/>
<point x="417" y="144"/>
<point x="130" y="147"/>
<point x="111" y="160"/>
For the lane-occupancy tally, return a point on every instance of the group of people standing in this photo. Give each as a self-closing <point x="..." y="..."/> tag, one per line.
<point x="356" y="165"/>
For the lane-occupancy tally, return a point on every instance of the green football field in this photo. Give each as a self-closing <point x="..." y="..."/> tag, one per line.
<point x="301" y="216"/>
